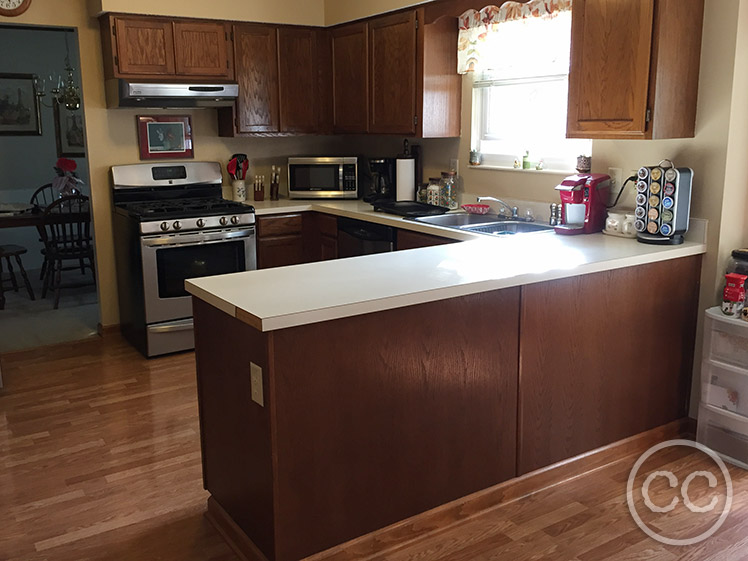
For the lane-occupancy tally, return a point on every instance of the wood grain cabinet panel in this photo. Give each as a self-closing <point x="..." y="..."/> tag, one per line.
<point x="350" y="78"/>
<point x="603" y="357"/>
<point x="407" y="239"/>
<point x="201" y="49"/>
<point x="144" y="46"/>
<point x="280" y="251"/>
<point x="256" y="67"/>
<point x="634" y="68"/>
<point x="392" y="71"/>
<point x="298" y="79"/>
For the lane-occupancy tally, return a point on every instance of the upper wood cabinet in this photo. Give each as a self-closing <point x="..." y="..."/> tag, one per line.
<point x="201" y="49"/>
<point x="410" y="85"/>
<point x="256" y="61"/>
<point x="281" y="75"/>
<point x="634" y="68"/>
<point x="350" y="78"/>
<point x="164" y="48"/>
<point x="392" y="74"/>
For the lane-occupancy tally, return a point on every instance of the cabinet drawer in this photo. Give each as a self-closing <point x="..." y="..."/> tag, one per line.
<point x="280" y="225"/>
<point x="725" y="433"/>
<point x="726" y="339"/>
<point x="725" y="387"/>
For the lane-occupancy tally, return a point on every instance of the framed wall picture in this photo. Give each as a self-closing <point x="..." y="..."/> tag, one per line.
<point x="165" y="136"/>
<point x="19" y="106"/>
<point x="69" y="132"/>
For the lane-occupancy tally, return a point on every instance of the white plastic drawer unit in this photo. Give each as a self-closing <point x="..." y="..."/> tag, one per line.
<point x="724" y="432"/>
<point x="726" y="339"/>
<point x="724" y="387"/>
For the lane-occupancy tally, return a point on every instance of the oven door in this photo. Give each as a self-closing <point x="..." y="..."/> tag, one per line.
<point x="168" y="260"/>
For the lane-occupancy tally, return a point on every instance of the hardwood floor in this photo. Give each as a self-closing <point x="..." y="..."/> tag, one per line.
<point x="100" y="460"/>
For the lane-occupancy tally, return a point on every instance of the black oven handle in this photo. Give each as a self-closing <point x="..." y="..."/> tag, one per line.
<point x="199" y="238"/>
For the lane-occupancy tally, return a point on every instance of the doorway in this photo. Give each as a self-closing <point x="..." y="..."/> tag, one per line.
<point x="42" y="142"/>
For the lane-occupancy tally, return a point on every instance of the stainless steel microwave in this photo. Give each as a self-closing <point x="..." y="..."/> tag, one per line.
<point x="323" y="178"/>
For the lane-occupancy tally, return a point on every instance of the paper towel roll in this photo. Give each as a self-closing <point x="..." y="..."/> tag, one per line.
<point x="405" y="179"/>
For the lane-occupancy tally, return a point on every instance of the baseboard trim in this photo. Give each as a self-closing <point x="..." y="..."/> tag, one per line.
<point x="403" y="533"/>
<point x="234" y="536"/>
<point x="108" y="330"/>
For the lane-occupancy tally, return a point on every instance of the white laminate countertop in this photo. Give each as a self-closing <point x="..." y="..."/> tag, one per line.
<point x="285" y="297"/>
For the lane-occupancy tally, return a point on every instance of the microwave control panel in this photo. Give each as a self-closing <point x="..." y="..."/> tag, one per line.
<point x="349" y="177"/>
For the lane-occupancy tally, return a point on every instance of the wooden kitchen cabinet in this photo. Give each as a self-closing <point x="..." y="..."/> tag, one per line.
<point x="201" y="49"/>
<point x="395" y="74"/>
<point x="407" y="239"/>
<point x="256" y="61"/>
<point x="350" y="78"/>
<point x="634" y="68"/>
<point x="392" y="74"/>
<point x="282" y="73"/>
<point x="320" y="233"/>
<point x="279" y="240"/>
<point x="165" y="48"/>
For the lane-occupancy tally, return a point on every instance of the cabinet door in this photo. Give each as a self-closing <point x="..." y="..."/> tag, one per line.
<point x="280" y="251"/>
<point x="298" y="79"/>
<point x="256" y="62"/>
<point x="392" y="67"/>
<point x="610" y="60"/>
<point x="411" y="240"/>
<point x="144" y="46"/>
<point x="329" y="248"/>
<point x="350" y="78"/>
<point x="201" y="49"/>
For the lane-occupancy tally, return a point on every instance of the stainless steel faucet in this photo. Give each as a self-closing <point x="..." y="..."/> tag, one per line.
<point x="514" y="209"/>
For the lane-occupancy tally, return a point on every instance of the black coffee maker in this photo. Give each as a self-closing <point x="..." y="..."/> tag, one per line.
<point x="381" y="180"/>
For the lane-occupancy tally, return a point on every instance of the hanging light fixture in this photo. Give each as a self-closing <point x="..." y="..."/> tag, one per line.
<point x="65" y="92"/>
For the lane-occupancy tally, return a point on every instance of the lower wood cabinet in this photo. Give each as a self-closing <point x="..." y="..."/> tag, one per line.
<point x="279" y="240"/>
<point x="407" y="239"/>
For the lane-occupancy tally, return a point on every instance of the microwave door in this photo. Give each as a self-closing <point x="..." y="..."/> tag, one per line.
<point x="316" y="177"/>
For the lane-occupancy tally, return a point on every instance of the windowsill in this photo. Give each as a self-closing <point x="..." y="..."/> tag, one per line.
<point x="486" y="167"/>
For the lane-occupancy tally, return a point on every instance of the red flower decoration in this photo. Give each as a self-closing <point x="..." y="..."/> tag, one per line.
<point x="66" y="165"/>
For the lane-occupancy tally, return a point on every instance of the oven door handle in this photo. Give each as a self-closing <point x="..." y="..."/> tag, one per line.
<point x="197" y="239"/>
<point x="184" y="325"/>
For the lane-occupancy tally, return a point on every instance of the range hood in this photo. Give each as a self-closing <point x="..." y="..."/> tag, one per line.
<point x="122" y="93"/>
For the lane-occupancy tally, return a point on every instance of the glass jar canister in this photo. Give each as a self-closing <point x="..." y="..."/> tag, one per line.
<point x="448" y="192"/>
<point x="739" y="263"/>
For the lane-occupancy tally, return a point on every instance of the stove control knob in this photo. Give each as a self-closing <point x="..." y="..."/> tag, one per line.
<point x="164" y="226"/>
<point x="200" y="222"/>
<point x="235" y="220"/>
<point x="223" y="221"/>
<point x="177" y="225"/>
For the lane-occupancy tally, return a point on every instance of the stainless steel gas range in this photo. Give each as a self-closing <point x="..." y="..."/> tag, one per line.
<point x="171" y="224"/>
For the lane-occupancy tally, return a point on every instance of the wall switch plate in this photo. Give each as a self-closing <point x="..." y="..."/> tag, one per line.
<point x="454" y="165"/>
<point x="255" y="380"/>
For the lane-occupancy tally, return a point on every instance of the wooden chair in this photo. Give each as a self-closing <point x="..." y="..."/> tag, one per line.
<point x="67" y="237"/>
<point x="41" y="199"/>
<point x="15" y="251"/>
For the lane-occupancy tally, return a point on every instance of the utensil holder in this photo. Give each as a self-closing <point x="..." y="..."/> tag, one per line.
<point x="239" y="190"/>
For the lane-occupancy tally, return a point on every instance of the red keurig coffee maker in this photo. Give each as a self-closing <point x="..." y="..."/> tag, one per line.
<point x="583" y="203"/>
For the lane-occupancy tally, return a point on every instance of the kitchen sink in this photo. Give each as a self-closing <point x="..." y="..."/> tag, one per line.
<point x="491" y="224"/>
<point x="461" y="221"/>
<point x="508" y="227"/>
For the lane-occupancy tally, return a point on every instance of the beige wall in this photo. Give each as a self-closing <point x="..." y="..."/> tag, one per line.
<point x="302" y="12"/>
<point x="338" y="11"/>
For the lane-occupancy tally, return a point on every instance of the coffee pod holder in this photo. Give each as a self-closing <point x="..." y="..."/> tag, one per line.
<point x="663" y="203"/>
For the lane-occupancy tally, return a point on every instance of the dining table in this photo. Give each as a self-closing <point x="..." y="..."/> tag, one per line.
<point x="19" y="219"/>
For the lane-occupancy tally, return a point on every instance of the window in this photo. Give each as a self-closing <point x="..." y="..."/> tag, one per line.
<point x="520" y="99"/>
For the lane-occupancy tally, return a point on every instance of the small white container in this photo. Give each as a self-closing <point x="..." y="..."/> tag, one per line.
<point x="724" y="387"/>
<point x="239" y="190"/>
<point x="725" y="339"/>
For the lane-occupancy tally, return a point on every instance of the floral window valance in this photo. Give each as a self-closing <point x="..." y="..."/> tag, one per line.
<point x="477" y="27"/>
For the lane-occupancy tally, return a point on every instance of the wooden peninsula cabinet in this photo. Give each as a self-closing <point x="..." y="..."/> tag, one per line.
<point x="166" y="49"/>
<point x="634" y="68"/>
<point x="318" y="430"/>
